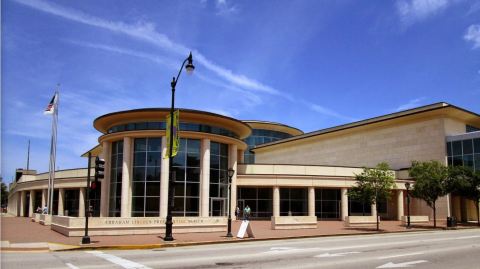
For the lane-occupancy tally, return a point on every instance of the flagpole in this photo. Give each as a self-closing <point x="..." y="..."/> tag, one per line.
<point x="54" y="146"/>
<point x="53" y="153"/>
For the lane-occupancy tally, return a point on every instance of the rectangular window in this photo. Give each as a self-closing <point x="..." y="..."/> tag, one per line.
<point x="467" y="146"/>
<point x="146" y="177"/>
<point x="293" y="202"/>
<point x="187" y="178"/>
<point x="457" y="147"/>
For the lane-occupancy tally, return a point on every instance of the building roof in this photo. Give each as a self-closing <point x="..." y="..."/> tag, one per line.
<point x="274" y="126"/>
<point x="103" y="123"/>
<point x="454" y="111"/>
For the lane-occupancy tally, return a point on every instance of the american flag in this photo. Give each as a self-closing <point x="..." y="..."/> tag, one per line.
<point x="51" y="106"/>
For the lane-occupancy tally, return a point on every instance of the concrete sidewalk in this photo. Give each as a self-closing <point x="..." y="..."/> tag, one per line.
<point x="21" y="234"/>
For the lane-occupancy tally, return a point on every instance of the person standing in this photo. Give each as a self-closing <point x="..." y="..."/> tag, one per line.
<point x="246" y="213"/>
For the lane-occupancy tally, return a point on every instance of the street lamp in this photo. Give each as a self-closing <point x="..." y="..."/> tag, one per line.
<point x="231" y="172"/>
<point x="171" y="181"/>
<point x="407" y="186"/>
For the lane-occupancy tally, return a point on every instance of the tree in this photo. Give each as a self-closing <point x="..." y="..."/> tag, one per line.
<point x="463" y="181"/>
<point x="430" y="183"/>
<point x="3" y="194"/>
<point x="373" y="185"/>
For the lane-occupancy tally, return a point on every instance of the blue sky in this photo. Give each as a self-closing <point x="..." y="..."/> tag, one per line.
<point x="309" y="64"/>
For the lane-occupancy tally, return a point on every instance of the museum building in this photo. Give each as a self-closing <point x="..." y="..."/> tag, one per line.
<point x="279" y="170"/>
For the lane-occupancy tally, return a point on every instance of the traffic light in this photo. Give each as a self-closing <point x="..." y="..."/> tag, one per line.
<point x="99" y="168"/>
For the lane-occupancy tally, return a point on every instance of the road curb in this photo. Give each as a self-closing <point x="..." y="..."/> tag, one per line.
<point x="65" y="247"/>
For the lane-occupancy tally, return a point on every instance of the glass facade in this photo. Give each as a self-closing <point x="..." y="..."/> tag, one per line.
<point x="38" y="200"/>
<point x="261" y="136"/>
<point x="327" y="203"/>
<point x="260" y="201"/>
<point x="71" y="202"/>
<point x="146" y="177"/>
<point x="186" y="166"/>
<point x="218" y="178"/>
<point x="161" y="125"/>
<point x="464" y="153"/>
<point x="115" y="179"/>
<point x="95" y="199"/>
<point x="293" y="202"/>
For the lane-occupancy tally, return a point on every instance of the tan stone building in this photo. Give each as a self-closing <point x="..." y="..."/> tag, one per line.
<point x="280" y="171"/>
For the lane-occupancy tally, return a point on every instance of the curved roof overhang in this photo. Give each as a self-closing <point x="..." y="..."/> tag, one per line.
<point x="105" y="122"/>
<point x="274" y="126"/>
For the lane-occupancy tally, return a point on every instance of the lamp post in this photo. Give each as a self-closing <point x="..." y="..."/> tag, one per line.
<point x="231" y="172"/>
<point x="407" y="186"/>
<point x="171" y="181"/>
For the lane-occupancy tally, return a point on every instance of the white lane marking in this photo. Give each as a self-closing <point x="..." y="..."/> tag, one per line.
<point x="400" y="265"/>
<point x="468" y="237"/>
<point x="328" y="255"/>
<point x="71" y="266"/>
<point x="283" y="250"/>
<point x="127" y="264"/>
<point x="400" y="255"/>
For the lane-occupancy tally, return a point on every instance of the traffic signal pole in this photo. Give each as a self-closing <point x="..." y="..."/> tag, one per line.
<point x="86" y="238"/>
<point x="99" y="173"/>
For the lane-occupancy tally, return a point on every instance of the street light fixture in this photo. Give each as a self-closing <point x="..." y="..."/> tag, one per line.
<point x="171" y="181"/>
<point x="231" y="172"/>
<point x="407" y="186"/>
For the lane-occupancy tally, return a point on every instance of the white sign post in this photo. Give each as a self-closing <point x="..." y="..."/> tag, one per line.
<point x="245" y="227"/>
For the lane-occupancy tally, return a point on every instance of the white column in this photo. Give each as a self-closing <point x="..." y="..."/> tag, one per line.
<point x="232" y="162"/>
<point x="44" y="198"/>
<point x="126" y="178"/>
<point x="205" y="178"/>
<point x="449" y="205"/>
<point x="400" y="204"/>
<point x="311" y="201"/>
<point x="374" y="210"/>
<point x="61" y="196"/>
<point x="30" y="204"/>
<point x="105" y="185"/>
<point x="23" y="201"/>
<point x="164" y="180"/>
<point x="276" y="201"/>
<point x="344" y="199"/>
<point x="81" y="202"/>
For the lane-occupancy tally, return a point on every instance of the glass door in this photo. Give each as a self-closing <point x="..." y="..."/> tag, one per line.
<point x="218" y="207"/>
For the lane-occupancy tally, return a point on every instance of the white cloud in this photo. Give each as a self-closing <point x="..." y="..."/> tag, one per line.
<point x="328" y="112"/>
<point x="473" y="35"/>
<point x="411" y="104"/>
<point x="251" y="98"/>
<point x="147" y="32"/>
<point x="411" y="11"/>
<point x="225" y="9"/>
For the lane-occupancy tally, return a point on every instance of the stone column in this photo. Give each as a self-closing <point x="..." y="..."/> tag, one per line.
<point x="81" y="202"/>
<point x="30" y="204"/>
<point x="344" y="202"/>
<point x="164" y="180"/>
<point x="400" y="204"/>
<point x="105" y="185"/>
<point x="205" y="178"/>
<point x="276" y="201"/>
<point x="126" y="178"/>
<point x="44" y="198"/>
<point x="241" y="156"/>
<point x="311" y="201"/>
<point x="23" y="201"/>
<point x="374" y="210"/>
<point x="61" y="196"/>
<point x="232" y="162"/>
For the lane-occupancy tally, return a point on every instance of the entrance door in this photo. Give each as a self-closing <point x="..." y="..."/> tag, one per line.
<point x="218" y="207"/>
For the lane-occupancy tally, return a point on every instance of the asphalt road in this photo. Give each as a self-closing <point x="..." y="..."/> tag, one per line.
<point x="438" y="249"/>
